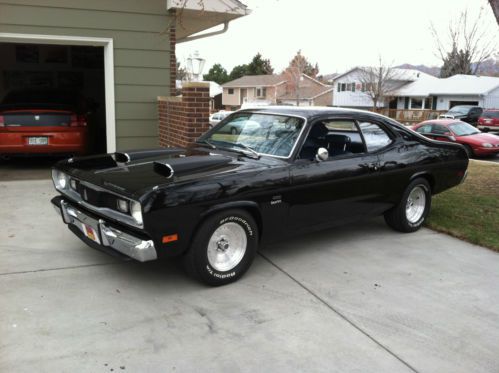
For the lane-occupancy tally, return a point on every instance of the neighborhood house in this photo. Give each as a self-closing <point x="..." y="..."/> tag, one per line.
<point x="275" y="89"/>
<point x="414" y="90"/>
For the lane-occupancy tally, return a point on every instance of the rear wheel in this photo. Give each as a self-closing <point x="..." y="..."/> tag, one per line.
<point x="413" y="208"/>
<point x="233" y="131"/>
<point x="223" y="248"/>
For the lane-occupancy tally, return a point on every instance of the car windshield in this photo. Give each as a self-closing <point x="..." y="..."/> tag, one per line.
<point x="461" y="110"/>
<point x="266" y="134"/>
<point x="463" y="129"/>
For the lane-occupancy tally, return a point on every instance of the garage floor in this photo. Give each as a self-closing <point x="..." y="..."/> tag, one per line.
<point x="26" y="168"/>
<point x="356" y="299"/>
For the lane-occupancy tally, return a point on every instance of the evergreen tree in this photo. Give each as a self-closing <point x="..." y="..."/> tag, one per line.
<point x="456" y="62"/>
<point x="217" y="74"/>
<point x="238" y="71"/>
<point x="259" y="66"/>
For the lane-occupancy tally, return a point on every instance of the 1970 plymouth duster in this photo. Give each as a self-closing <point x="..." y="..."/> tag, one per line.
<point x="293" y="170"/>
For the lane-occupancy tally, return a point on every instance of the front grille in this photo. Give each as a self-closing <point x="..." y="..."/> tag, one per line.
<point x="95" y="197"/>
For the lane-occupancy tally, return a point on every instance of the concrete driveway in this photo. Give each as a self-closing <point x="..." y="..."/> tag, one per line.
<point x="356" y="299"/>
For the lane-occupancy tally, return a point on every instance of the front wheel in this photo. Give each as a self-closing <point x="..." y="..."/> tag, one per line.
<point x="410" y="213"/>
<point x="223" y="248"/>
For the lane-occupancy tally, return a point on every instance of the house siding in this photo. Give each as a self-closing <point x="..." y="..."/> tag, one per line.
<point x="231" y="100"/>
<point x="139" y="30"/>
<point x="443" y="101"/>
<point x="491" y="101"/>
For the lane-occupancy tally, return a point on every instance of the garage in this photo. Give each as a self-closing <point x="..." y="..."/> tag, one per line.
<point x="48" y="93"/>
<point x="120" y="53"/>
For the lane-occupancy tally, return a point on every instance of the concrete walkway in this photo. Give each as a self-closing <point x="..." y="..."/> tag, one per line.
<point x="361" y="298"/>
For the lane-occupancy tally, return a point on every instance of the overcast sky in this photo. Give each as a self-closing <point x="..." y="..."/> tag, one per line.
<point x="338" y="34"/>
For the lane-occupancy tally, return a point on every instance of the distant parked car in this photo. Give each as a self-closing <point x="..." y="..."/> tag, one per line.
<point x="44" y="121"/>
<point x="465" y="113"/>
<point x="217" y="117"/>
<point x="489" y="120"/>
<point x="475" y="142"/>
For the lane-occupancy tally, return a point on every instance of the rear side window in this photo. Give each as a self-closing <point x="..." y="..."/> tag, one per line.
<point x="374" y="136"/>
<point x="491" y="114"/>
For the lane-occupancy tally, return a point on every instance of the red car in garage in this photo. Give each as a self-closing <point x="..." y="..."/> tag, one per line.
<point x="475" y="142"/>
<point x="43" y="122"/>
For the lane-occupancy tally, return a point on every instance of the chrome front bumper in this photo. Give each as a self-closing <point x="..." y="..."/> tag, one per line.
<point x="107" y="236"/>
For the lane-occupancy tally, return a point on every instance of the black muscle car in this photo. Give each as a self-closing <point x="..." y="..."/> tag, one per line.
<point x="291" y="170"/>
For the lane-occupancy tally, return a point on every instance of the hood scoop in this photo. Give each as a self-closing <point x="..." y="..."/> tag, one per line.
<point x="135" y="155"/>
<point x="111" y="160"/>
<point x="190" y="165"/>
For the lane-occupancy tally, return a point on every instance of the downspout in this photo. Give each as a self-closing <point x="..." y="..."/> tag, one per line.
<point x="208" y="34"/>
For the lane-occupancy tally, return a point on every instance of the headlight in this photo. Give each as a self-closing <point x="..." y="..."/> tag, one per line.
<point x="61" y="180"/>
<point x="487" y="145"/>
<point x="136" y="211"/>
<point x="122" y="205"/>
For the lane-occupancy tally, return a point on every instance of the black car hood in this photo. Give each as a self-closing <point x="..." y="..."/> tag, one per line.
<point x="158" y="168"/>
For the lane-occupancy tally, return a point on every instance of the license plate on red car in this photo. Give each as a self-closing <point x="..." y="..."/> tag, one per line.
<point x="91" y="233"/>
<point x="38" y="140"/>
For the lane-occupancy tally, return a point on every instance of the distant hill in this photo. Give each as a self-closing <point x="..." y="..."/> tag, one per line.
<point x="489" y="67"/>
<point x="432" y="70"/>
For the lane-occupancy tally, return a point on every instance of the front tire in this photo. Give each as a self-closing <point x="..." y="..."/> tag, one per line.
<point x="410" y="213"/>
<point x="223" y="248"/>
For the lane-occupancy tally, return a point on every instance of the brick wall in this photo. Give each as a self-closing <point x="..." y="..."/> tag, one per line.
<point x="183" y="119"/>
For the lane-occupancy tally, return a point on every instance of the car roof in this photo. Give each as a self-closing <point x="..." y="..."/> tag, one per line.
<point x="443" y="122"/>
<point x="306" y="111"/>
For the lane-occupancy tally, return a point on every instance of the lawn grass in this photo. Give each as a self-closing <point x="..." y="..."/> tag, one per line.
<point x="470" y="211"/>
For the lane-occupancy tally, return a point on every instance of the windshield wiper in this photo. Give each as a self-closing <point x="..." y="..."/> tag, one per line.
<point x="206" y="142"/>
<point x="249" y="149"/>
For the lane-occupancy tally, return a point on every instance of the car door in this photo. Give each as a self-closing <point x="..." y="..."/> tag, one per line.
<point x="336" y="190"/>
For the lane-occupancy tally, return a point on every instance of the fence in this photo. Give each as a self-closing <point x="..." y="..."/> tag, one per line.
<point x="410" y="116"/>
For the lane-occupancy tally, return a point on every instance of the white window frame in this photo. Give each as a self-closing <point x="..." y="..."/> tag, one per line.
<point x="423" y="103"/>
<point x="107" y="43"/>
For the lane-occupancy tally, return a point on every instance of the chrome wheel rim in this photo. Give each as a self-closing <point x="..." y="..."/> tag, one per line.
<point x="227" y="246"/>
<point x="416" y="203"/>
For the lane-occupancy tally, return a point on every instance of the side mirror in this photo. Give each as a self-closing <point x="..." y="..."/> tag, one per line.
<point x="322" y="155"/>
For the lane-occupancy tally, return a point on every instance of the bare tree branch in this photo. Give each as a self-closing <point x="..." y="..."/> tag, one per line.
<point x="494" y="4"/>
<point x="467" y="45"/>
<point x="378" y="82"/>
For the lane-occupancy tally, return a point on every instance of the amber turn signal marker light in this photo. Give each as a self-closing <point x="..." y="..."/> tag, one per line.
<point x="170" y="238"/>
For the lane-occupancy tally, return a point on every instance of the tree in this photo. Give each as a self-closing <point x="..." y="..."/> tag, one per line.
<point x="181" y="72"/>
<point x="238" y="71"/>
<point x="469" y="44"/>
<point x="377" y="82"/>
<point x="494" y="4"/>
<point x="217" y="74"/>
<point x="293" y="74"/>
<point x="259" y="66"/>
<point x="299" y="61"/>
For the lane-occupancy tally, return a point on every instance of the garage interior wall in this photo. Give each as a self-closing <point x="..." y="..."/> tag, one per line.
<point x="139" y="30"/>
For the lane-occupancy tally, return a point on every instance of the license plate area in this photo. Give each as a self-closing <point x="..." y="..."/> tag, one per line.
<point x="39" y="140"/>
<point x="90" y="232"/>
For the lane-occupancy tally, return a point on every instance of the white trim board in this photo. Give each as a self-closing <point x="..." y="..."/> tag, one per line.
<point x="107" y="43"/>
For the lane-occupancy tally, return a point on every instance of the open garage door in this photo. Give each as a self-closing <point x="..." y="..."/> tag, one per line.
<point x="52" y="99"/>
